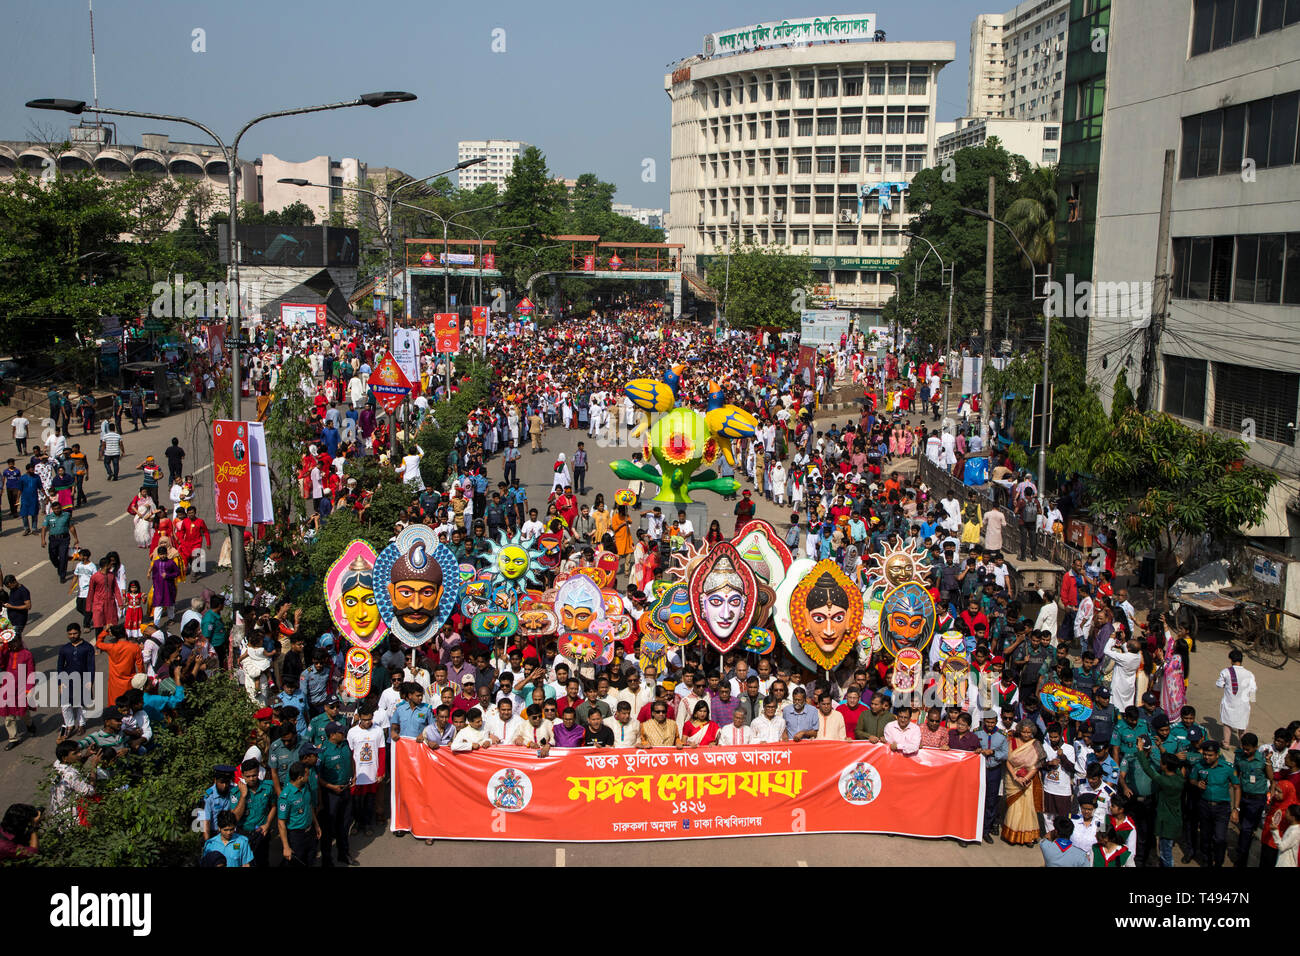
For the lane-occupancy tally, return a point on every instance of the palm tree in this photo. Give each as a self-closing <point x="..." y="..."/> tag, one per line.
<point x="1033" y="215"/>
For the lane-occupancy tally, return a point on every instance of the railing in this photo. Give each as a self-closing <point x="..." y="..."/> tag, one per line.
<point x="942" y="481"/>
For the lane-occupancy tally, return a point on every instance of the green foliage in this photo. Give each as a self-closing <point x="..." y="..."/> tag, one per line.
<point x="763" y="287"/>
<point x="536" y="206"/>
<point x="1122" y="399"/>
<point x="1033" y="215"/>
<point x="66" y="251"/>
<point x="437" y="436"/>
<point x="961" y="238"/>
<point x="149" y="821"/>
<point x="1162" y="483"/>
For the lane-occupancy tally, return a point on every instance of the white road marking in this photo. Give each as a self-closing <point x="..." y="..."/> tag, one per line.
<point x="122" y="517"/>
<point x="202" y="470"/>
<point x="801" y="862"/>
<point x="30" y="571"/>
<point x="559" y="856"/>
<point x="55" y="618"/>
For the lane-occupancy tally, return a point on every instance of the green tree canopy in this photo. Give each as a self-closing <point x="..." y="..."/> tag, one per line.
<point x="765" y="287"/>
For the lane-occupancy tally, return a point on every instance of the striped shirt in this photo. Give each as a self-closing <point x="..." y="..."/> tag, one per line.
<point x="112" y="444"/>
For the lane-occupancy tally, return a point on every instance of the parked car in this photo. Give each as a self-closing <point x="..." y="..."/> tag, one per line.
<point x="164" y="387"/>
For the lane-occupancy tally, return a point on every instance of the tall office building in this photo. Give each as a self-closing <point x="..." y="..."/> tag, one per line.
<point x="1017" y="62"/>
<point x="1224" y="92"/>
<point x="501" y="155"/>
<point x="805" y="134"/>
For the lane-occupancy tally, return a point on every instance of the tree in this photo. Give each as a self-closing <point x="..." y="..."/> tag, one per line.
<point x="1032" y="217"/>
<point x="537" y="205"/>
<point x="1164" y="485"/>
<point x="938" y="193"/>
<point x="765" y="287"/>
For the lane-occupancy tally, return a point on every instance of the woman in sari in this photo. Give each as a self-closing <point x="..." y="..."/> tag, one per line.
<point x="699" y="731"/>
<point x="142" y="511"/>
<point x="163" y="572"/>
<point x="1024" y="788"/>
<point x="1281" y="796"/>
<point x="1173" y="683"/>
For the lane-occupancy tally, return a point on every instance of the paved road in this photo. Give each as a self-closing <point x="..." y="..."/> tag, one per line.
<point x="102" y="528"/>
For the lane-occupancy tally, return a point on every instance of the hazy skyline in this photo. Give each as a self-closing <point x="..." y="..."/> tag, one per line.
<point x="582" y="81"/>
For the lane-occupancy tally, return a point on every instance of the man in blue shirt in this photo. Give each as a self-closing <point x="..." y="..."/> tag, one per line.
<point x="29" y="489"/>
<point x="13" y="487"/>
<point x="994" y="747"/>
<point x="330" y="437"/>
<point x="216" y="799"/>
<point x="412" y="715"/>
<point x="315" y="682"/>
<point x="291" y="696"/>
<point x="1059" y="851"/>
<point x="228" y="842"/>
<point x="801" y="721"/>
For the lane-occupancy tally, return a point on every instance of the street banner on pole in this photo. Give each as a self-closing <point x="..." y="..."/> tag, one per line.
<point x="406" y="351"/>
<point x="232" y="473"/>
<point x="260" y="479"/>
<point x="574" y="795"/>
<point x="389" y="383"/>
<point x="446" y="331"/>
<point x="480" y="314"/>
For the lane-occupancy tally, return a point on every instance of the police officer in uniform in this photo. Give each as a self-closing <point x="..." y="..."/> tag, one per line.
<point x="254" y="806"/>
<point x="299" y="829"/>
<point x="217" y="798"/>
<point x="337" y="775"/>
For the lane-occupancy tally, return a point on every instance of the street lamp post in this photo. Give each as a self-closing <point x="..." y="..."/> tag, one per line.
<point x="1047" y="342"/>
<point x="950" y="273"/>
<point x="231" y="154"/>
<point x="389" y="199"/>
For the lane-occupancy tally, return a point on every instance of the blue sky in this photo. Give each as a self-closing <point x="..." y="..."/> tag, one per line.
<point x="581" y="80"/>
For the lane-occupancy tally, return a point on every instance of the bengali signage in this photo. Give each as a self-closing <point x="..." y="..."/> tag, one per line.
<point x="856" y="26"/>
<point x="232" y="473"/>
<point x="456" y="258"/>
<point x="589" y="795"/>
<point x="823" y="326"/>
<point x="389" y="383"/>
<point x="446" y="332"/>
<point x="294" y="315"/>
<point x="479" y="317"/>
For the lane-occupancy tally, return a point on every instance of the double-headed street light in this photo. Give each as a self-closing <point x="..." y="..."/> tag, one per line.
<point x="231" y="154"/>
<point x="949" y="273"/>
<point x="1047" y="345"/>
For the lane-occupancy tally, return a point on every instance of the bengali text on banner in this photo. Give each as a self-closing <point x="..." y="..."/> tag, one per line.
<point x="509" y="793"/>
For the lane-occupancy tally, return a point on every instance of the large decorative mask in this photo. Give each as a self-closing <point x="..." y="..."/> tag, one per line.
<point x="356" y="679"/>
<point x="579" y="602"/>
<point x="350" y="596"/>
<point x="906" y="618"/>
<point x="672" y="614"/>
<point x="417" y="585"/>
<point x="723" y="592"/>
<point x="826" y="614"/>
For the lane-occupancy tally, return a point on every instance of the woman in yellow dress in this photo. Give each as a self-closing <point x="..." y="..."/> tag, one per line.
<point x="1023" y="788"/>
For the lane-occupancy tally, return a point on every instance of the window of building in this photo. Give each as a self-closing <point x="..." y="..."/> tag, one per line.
<point x="825" y="205"/>
<point x="807" y="89"/>
<point x="916" y="124"/>
<point x="1265" y="396"/>
<point x="873" y="159"/>
<point x="826" y="126"/>
<point x="1276" y="14"/>
<point x="875" y="125"/>
<point x="1052" y="133"/>
<point x="802" y="205"/>
<point x="850" y="163"/>
<point x="1185" y="387"/>
<point x="851" y="126"/>
<point x="783" y="165"/>
<point x="1220" y="23"/>
<point x="803" y="126"/>
<point x="917" y="85"/>
<point x="853" y="86"/>
<point x="897" y="84"/>
<point x="803" y="164"/>
<point x="783" y="90"/>
<point x="1049" y="156"/>
<point x="894" y="161"/>
<point x="824" y="237"/>
<point x="798" y="237"/>
<point x="828" y="86"/>
<point x="1263" y="131"/>
<point x="782" y="128"/>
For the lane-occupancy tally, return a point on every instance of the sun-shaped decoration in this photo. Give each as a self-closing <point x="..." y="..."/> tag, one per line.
<point x="513" y="562"/>
<point x="684" y="562"/>
<point x="895" y="565"/>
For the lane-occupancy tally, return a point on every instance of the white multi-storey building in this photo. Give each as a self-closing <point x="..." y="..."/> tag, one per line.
<point x="1226" y="92"/>
<point x="647" y="217"/>
<point x="1038" y="142"/>
<point x="1017" y="61"/>
<point x="808" y="145"/>
<point x="986" y="94"/>
<point x="501" y="155"/>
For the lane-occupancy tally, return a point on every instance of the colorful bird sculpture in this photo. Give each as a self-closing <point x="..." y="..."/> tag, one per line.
<point x="727" y="422"/>
<point x="651" y="396"/>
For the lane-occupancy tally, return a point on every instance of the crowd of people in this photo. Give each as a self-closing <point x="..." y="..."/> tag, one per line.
<point x="1121" y="786"/>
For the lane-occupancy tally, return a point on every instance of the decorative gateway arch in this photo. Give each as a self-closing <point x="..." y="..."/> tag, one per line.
<point x="588" y="257"/>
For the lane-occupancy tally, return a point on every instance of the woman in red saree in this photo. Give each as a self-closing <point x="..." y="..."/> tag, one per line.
<point x="1023" y="788"/>
<point x="699" y="731"/>
<point x="1281" y="796"/>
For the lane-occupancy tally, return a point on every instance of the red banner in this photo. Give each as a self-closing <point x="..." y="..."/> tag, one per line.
<point x="232" y="473"/>
<point x="592" y="795"/>
<point x="589" y="263"/>
<point x="389" y="383"/>
<point x="480" y="316"/>
<point x="489" y="261"/>
<point x="446" y="331"/>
